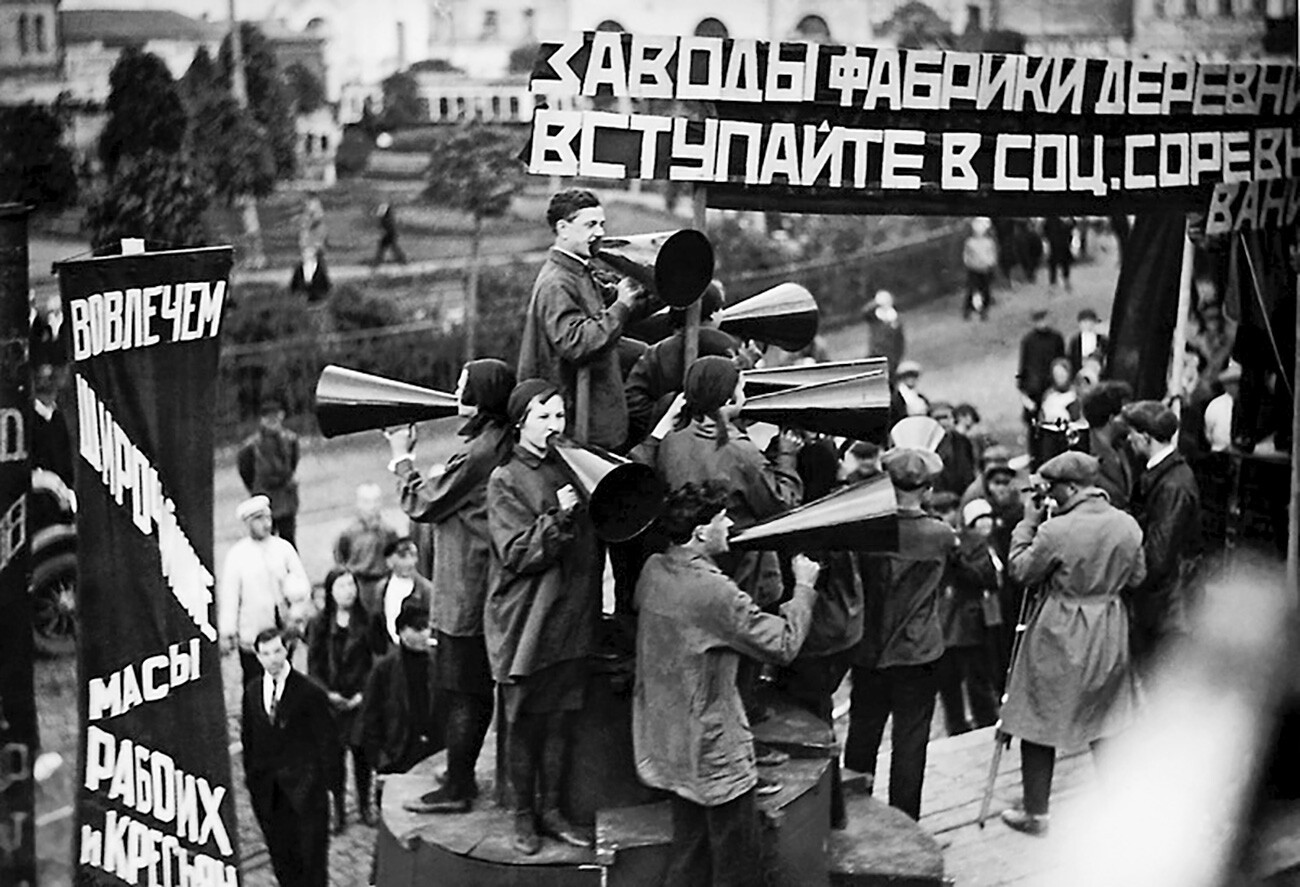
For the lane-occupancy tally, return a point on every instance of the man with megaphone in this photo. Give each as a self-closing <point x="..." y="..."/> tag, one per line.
<point x="570" y="334"/>
<point x="540" y="618"/>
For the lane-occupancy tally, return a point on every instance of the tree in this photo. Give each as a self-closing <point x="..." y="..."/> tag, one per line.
<point x="523" y="57"/>
<point x="144" y="110"/>
<point x="475" y="169"/>
<point x="402" y="105"/>
<point x="154" y="195"/>
<point x="305" y="89"/>
<point x="268" y="96"/>
<point x="36" y="168"/>
<point x="229" y="148"/>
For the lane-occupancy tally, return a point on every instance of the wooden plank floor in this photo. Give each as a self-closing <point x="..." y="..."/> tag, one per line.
<point x="956" y="770"/>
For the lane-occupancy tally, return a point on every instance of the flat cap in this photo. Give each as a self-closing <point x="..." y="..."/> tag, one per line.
<point x="995" y="455"/>
<point x="974" y="510"/>
<point x="253" y="506"/>
<point x="911" y="469"/>
<point x="1079" y="468"/>
<point x="1151" y="417"/>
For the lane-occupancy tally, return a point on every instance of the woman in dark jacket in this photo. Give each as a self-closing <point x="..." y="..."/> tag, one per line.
<point x="453" y="498"/>
<point x="338" y="658"/>
<point x="541" y="613"/>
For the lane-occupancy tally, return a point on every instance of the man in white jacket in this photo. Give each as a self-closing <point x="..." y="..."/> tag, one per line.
<point x="263" y="585"/>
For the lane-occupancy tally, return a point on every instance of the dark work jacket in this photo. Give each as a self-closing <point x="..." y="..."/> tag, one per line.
<point x="386" y="714"/>
<point x="1116" y="473"/>
<point x="1168" y="508"/>
<point x="1076" y="355"/>
<point x="297" y="752"/>
<point x="958" y="455"/>
<point x="339" y="659"/>
<point x="568" y="328"/>
<point x="660" y="371"/>
<point x="377" y="631"/>
<point x="267" y="462"/>
<point x="1037" y="351"/>
<point x="902" y="594"/>
<point x="961" y="608"/>
<point x="455" y="503"/>
<point x="838" y="609"/>
<point x="544" y="597"/>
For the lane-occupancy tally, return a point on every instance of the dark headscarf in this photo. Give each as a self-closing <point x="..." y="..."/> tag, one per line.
<point x="488" y="385"/>
<point x="710" y="383"/>
<point x="525" y="393"/>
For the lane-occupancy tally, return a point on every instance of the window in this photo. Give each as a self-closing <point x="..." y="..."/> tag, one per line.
<point x="610" y="25"/>
<point x="491" y="24"/>
<point x="1158" y="8"/>
<point x="514" y="107"/>
<point x="22" y="33"/>
<point x="814" y="29"/>
<point x="1191" y="10"/>
<point x="38" y="31"/>
<point x="530" y="22"/>
<point x="1225" y="8"/>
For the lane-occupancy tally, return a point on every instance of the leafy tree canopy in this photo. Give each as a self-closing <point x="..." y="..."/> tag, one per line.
<point x="305" y="90"/>
<point x="476" y="169"/>
<point x="268" y="96"/>
<point x="522" y="58"/>
<point x="36" y="168"/>
<point x="402" y="105"/>
<point x="144" y="110"/>
<point x="154" y="195"/>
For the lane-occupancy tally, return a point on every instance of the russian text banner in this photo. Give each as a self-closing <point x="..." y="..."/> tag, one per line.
<point x="155" y="803"/>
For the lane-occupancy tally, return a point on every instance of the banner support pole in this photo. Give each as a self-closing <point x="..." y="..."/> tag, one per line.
<point x="1179" y="345"/>
<point x="1293" y="512"/>
<point x="691" y="349"/>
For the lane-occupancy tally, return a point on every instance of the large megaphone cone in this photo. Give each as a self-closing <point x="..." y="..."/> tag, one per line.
<point x="782" y="378"/>
<point x="676" y="266"/>
<point x="856" y="407"/>
<point x="917" y="433"/>
<point x="862" y="517"/>
<point x="784" y="316"/>
<point x="652" y="329"/>
<point x="348" y="401"/>
<point x="623" y="497"/>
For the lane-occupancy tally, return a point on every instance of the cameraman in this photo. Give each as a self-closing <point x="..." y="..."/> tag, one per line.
<point x="1071" y="684"/>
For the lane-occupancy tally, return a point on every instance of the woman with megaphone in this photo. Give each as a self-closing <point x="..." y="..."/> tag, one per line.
<point x="453" y="498"/>
<point x="541" y="612"/>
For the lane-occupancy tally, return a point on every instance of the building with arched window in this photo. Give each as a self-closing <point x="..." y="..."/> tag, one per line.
<point x="30" y="58"/>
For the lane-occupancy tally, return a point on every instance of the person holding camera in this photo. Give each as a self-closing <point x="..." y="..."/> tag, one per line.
<point x="1071" y="684"/>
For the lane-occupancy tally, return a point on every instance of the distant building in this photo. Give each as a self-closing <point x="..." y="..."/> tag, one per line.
<point x="1208" y="29"/>
<point x="30" y="56"/>
<point x="94" y="38"/>
<point x="1101" y="28"/>
<point x="319" y="136"/>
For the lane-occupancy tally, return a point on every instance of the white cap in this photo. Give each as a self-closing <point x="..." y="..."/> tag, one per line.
<point x="252" y="507"/>
<point x="974" y="510"/>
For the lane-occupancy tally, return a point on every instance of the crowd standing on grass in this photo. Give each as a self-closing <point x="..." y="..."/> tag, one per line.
<point x="1093" y="560"/>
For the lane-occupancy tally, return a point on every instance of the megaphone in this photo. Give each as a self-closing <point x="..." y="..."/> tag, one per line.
<point x="623" y="497"/>
<point x="348" y="401"/>
<point x="917" y="433"/>
<point x="856" y="407"/>
<point x="784" y="316"/>
<point x="765" y="381"/>
<point x="861" y="517"/>
<point x="676" y="266"/>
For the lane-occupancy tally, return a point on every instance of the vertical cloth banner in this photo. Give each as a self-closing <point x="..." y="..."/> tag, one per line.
<point x="18" y="739"/>
<point x="1145" y="309"/>
<point x="155" y="804"/>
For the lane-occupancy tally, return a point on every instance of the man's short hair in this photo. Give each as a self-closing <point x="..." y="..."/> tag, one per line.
<point x="941" y="407"/>
<point x="398" y="545"/>
<point x="861" y="449"/>
<point x="414" y="614"/>
<point x="271" y="403"/>
<point x="711" y="300"/>
<point x="1103" y="402"/>
<point x="568" y="203"/>
<point x="1088" y="314"/>
<point x="690" y="506"/>
<point x="943" y="501"/>
<point x="266" y="635"/>
<point x="966" y="409"/>
<point x="1153" y="418"/>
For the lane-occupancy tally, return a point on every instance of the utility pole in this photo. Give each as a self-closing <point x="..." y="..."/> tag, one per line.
<point x="256" y="257"/>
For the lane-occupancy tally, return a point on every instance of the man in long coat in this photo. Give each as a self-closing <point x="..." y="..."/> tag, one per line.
<point x="1072" y="684"/>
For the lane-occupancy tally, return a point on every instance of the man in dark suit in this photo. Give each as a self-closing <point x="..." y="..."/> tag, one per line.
<point x="1087" y="343"/>
<point x="399" y="718"/>
<point x="1039" y="347"/>
<point x="288" y="740"/>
